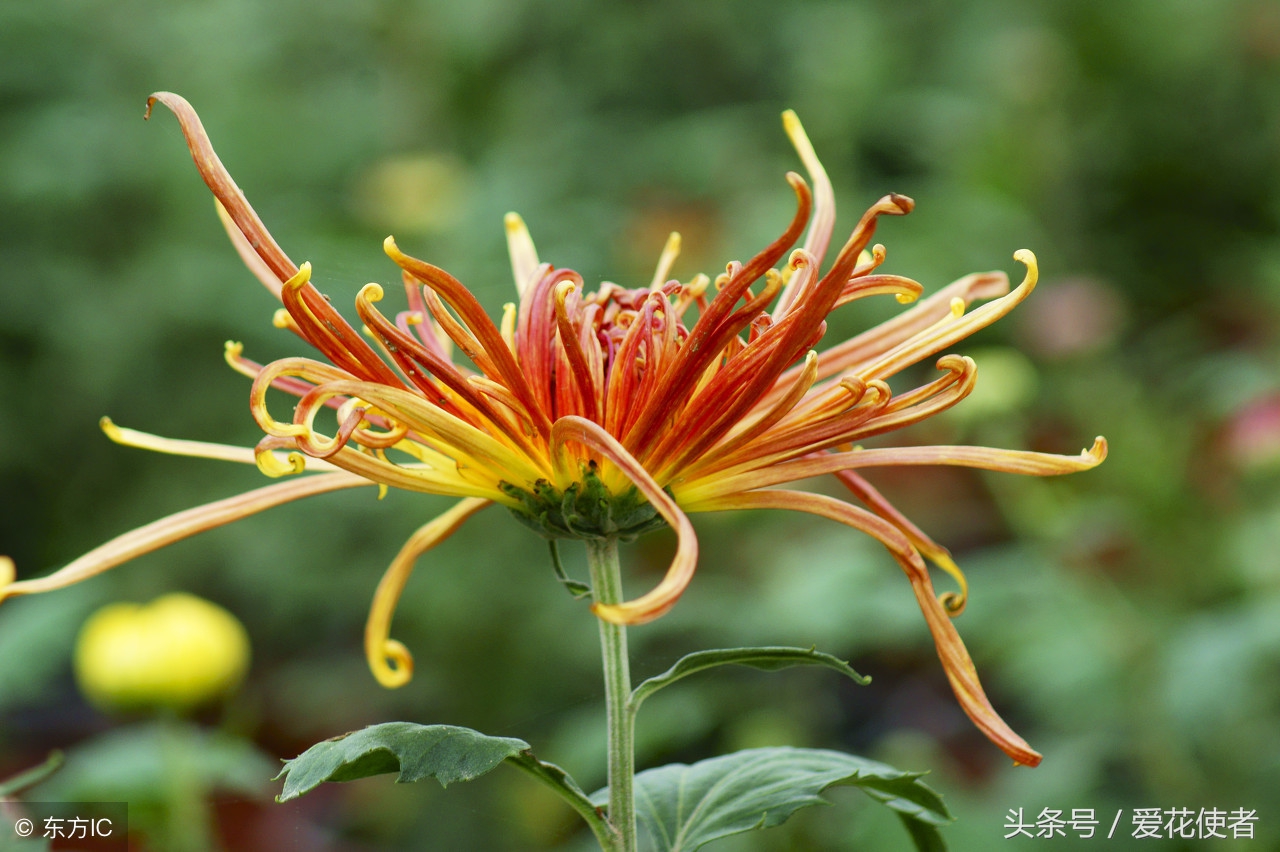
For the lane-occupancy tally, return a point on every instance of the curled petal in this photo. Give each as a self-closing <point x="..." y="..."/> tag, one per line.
<point x="876" y="341"/>
<point x="165" y="531"/>
<point x="767" y="358"/>
<point x="325" y="329"/>
<point x="488" y="335"/>
<point x="931" y="550"/>
<point x="664" y="596"/>
<point x="313" y="443"/>
<point x="457" y="333"/>
<point x="942" y="335"/>
<point x="269" y="376"/>
<point x="233" y="354"/>
<point x="951" y="650"/>
<point x="904" y="289"/>
<point x="172" y="446"/>
<point x="224" y="188"/>
<point x="426" y="365"/>
<point x="831" y="423"/>
<point x="824" y="203"/>
<point x="205" y="450"/>
<point x="390" y="661"/>
<point x="717" y="324"/>
<point x="329" y="331"/>
<point x="535" y="333"/>
<point x="460" y="439"/>
<point x="987" y="458"/>
<point x="273" y="466"/>
<point x="366" y="436"/>
<point x="431" y="335"/>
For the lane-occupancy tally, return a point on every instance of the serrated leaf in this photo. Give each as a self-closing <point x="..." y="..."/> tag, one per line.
<point x="684" y="807"/>
<point x="769" y="658"/>
<point x="447" y="752"/>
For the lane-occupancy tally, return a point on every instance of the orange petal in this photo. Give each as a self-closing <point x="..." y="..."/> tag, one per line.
<point x="224" y="188"/>
<point x="951" y="650"/>
<point x="986" y="458"/>
<point x="664" y="596"/>
<point x="930" y="549"/>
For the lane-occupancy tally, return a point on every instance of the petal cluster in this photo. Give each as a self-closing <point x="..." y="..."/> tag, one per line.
<point x="604" y="413"/>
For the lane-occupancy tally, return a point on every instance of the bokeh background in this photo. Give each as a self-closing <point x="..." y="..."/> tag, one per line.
<point x="1127" y="620"/>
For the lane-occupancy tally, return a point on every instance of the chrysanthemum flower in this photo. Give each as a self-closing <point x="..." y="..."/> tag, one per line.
<point x="608" y="413"/>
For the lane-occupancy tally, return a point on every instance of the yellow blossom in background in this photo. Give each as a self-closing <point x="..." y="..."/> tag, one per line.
<point x="178" y="651"/>
<point x="602" y="414"/>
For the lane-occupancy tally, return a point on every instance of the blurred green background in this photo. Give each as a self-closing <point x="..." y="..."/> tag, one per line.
<point x="1126" y="621"/>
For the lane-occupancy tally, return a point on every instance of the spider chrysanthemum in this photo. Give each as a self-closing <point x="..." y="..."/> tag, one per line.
<point x="605" y="413"/>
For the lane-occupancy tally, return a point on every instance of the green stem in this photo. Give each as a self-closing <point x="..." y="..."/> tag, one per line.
<point x="606" y="582"/>
<point x="189" y="821"/>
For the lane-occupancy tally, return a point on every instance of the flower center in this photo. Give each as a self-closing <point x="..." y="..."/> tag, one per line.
<point x="586" y="509"/>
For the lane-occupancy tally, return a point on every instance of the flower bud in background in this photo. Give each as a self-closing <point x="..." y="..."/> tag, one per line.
<point x="179" y="652"/>
<point x="1076" y="317"/>
<point x="1251" y="435"/>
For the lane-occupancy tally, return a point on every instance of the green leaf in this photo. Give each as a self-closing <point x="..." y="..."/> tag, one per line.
<point x="766" y="658"/>
<point x="566" y="788"/>
<point x="924" y="835"/>
<point x="446" y="752"/>
<point x="683" y="808"/>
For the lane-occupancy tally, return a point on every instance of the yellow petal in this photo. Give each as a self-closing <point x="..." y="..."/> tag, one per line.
<point x="664" y="596"/>
<point x="176" y="527"/>
<point x="389" y="660"/>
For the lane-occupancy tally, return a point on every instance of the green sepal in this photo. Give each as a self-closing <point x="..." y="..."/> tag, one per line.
<point x="578" y="589"/>
<point x="446" y="752"/>
<point x="31" y="777"/>
<point x="765" y="658"/>
<point x="587" y="509"/>
<point x="683" y="807"/>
